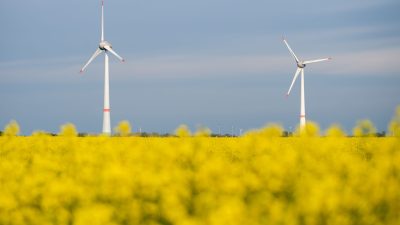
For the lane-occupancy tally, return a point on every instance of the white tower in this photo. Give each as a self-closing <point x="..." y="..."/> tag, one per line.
<point x="300" y="69"/>
<point x="105" y="47"/>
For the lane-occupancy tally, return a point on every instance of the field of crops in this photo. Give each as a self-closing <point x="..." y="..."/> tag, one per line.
<point x="255" y="179"/>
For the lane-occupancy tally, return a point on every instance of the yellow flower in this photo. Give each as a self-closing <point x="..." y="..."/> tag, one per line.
<point x="68" y="130"/>
<point x="123" y="129"/>
<point x="183" y="131"/>
<point x="11" y="129"/>
<point x="260" y="178"/>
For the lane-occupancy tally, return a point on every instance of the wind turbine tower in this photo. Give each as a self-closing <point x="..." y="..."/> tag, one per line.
<point x="300" y="69"/>
<point x="106" y="47"/>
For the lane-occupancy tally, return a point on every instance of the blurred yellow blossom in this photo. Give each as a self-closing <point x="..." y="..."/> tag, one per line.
<point x="11" y="129"/>
<point x="68" y="130"/>
<point x="123" y="129"/>
<point x="183" y="131"/>
<point x="194" y="181"/>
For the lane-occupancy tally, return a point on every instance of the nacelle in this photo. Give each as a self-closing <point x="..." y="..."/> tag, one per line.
<point x="301" y="65"/>
<point x="103" y="44"/>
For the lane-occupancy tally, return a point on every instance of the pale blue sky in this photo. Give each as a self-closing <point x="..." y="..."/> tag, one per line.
<point x="215" y="63"/>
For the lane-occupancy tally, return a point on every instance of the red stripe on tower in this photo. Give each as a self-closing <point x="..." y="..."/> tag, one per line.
<point x="302" y="116"/>
<point x="106" y="110"/>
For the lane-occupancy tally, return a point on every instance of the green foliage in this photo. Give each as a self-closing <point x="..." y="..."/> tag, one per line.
<point x="68" y="130"/>
<point x="11" y="129"/>
<point x="183" y="131"/>
<point x="123" y="129"/>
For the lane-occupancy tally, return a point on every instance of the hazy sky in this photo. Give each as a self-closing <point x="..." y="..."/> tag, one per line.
<point x="216" y="63"/>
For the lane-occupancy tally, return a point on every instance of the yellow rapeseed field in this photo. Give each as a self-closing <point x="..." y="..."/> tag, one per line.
<point x="255" y="179"/>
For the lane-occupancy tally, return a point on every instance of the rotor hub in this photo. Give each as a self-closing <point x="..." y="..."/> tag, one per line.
<point x="301" y="65"/>
<point x="104" y="44"/>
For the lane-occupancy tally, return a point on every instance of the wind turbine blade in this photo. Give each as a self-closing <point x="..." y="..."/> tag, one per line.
<point x="316" y="60"/>
<point x="102" y="20"/>
<point x="291" y="51"/>
<point x="108" y="48"/>
<point x="294" y="79"/>
<point x="95" y="54"/>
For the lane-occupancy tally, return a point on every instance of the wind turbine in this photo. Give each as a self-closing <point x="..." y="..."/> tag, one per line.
<point x="300" y="69"/>
<point x="104" y="46"/>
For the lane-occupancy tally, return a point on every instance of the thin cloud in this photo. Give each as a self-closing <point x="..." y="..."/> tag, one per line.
<point x="376" y="62"/>
<point x="373" y="62"/>
<point x="195" y="65"/>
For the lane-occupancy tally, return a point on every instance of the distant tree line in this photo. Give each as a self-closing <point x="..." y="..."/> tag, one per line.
<point x="363" y="128"/>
